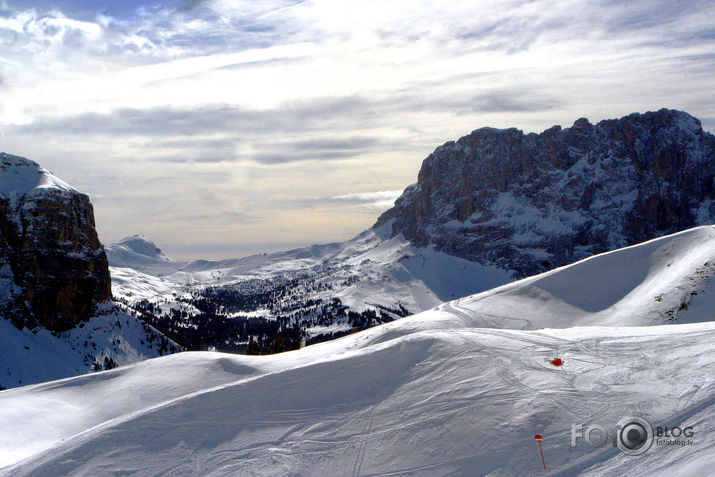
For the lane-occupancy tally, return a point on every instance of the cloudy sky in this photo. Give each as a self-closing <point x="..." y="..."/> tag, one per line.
<point x="218" y="128"/>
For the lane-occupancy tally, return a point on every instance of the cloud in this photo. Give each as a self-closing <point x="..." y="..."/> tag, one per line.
<point x="300" y="116"/>
<point x="191" y="4"/>
<point x="514" y="101"/>
<point x="640" y="14"/>
<point x="318" y="149"/>
<point x="369" y="196"/>
<point x="333" y="144"/>
<point x="263" y="136"/>
<point x="291" y="156"/>
<point x="379" y="200"/>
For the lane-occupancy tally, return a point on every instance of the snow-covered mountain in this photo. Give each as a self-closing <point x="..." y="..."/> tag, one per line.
<point x="532" y="202"/>
<point x="378" y="271"/>
<point x="443" y="392"/>
<point x="139" y="253"/>
<point x="56" y="316"/>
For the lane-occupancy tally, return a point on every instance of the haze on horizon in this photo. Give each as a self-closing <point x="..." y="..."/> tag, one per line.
<point x="221" y="128"/>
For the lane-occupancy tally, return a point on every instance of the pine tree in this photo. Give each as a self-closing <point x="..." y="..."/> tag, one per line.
<point x="278" y="346"/>
<point x="252" y="348"/>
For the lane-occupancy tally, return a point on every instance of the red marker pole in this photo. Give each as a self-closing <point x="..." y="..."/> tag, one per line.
<point x="538" y="439"/>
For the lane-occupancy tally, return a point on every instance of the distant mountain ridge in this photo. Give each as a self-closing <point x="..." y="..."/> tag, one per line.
<point x="531" y="202"/>
<point x="141" y="254"/>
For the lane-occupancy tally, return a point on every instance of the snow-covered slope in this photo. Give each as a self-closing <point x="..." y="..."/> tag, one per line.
<point x="651" y="283"/>
<point x="314" y="288"/>
<point x="431" y="394"/>
<point x="448" y="402"/>
<point x="141" y="254"/>
<point x="363" y="271"/>
<point x="108" y="340"/>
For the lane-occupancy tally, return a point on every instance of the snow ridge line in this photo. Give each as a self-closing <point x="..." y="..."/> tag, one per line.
<point x="134" y="414"/>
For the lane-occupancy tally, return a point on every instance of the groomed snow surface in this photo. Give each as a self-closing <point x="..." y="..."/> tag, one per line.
<point x="444" y="392"/>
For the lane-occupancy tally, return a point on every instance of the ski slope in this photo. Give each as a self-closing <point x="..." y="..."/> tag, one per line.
<point x="457" y="390"/>
<point x="459" y="402"/>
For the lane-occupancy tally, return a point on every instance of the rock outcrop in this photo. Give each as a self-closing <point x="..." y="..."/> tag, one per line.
<point x="53" y="269"/>
<point x="532" y="202"/>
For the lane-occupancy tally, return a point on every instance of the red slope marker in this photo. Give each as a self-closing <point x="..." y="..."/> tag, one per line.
<point x="538" y="439"/>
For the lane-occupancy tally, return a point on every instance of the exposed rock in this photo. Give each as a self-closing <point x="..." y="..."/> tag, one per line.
<point x="53" y="269"/>
<point x="531" y="202"/>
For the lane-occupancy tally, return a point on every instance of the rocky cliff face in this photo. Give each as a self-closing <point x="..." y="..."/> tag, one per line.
<point x="531" y="202"/>
<point x="53" y="269"/>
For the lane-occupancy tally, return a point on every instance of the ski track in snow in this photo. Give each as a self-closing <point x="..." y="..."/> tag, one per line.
<point x="457" y="390"/>
<point x="514" y="379"/>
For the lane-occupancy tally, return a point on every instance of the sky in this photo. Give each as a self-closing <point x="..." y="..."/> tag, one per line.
<point x="221" y="128"/>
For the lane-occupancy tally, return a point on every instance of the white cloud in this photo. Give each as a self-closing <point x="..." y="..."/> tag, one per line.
<point x="369" y="196"/>
<point x="375" y="201"/>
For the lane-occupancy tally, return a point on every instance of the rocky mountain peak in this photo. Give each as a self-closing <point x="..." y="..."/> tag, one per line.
<point x="53" y="269"/>
<point x="530" y="202"/>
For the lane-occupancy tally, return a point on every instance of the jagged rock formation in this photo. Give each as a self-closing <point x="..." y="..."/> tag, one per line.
<point x="53" y="269"/>
<point x="531" y="202"/>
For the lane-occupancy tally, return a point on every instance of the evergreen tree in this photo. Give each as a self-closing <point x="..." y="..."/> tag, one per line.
<point x="252" y="348"/>
<point x="278" y="346"/>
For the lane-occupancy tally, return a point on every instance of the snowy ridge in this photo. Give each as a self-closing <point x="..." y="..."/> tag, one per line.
<point x="431" y="394"/>
<point x="645" y="284"/>
<point x="141" y="254"/>
<point x="22" y="176"/>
